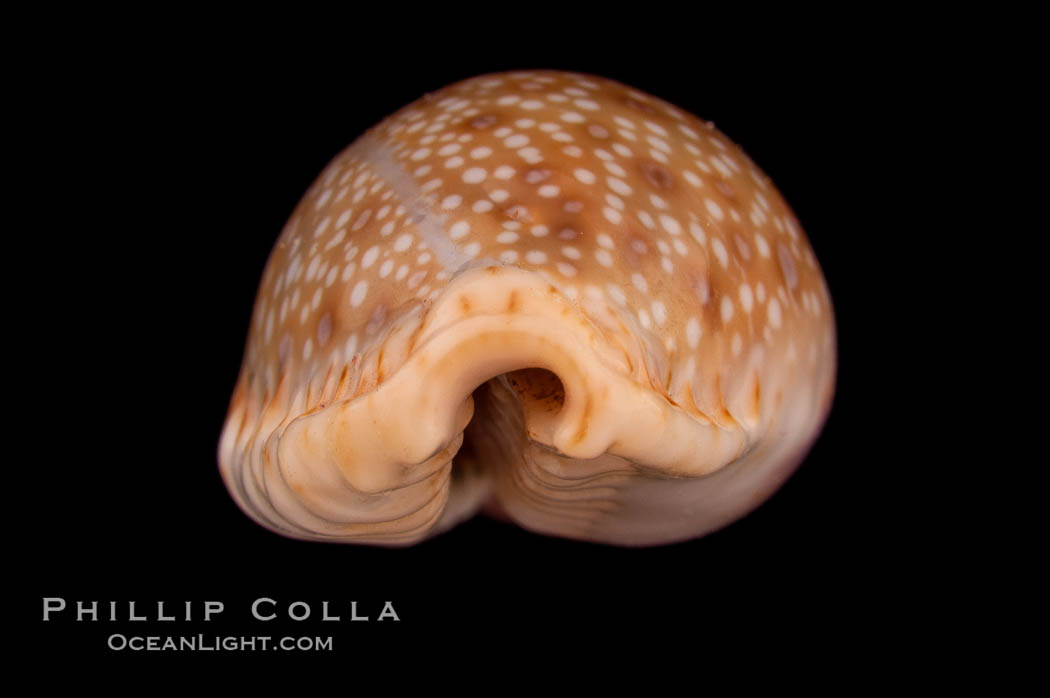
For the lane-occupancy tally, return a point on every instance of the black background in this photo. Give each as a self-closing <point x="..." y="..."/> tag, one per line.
<point x="167" y="166"/>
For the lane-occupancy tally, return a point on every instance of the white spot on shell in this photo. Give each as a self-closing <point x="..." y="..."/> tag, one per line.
<point x="598" y="131"/>
<point x="698" y="233"/>
<point x="773" y="313"/>
<point x="322" y="226"/>
<point x="357" y="296"/>
<point x="720" y="252"/>
<point x="659" y="144"/>
<point x="787" y="265"/>
<point x="361" y="220"/>
<point x="655" y="128"/>
<point x="474" y="175"/>
<point x="742" y="248"/>
<point x="659" y="313"/>
<point x="714" y="209"/>
<point x="619" y="186"/>
<point x="459" y="229"/>
<point x="530" y="155"/>
<point x="703" y="291"/>
<point x="727" y="308"/>
<point x="692" y="332"/>
<point x="746" y="299"/>
<point x="324" y="329"/>
<point x="312" y="269"/>
<point x="323" y="199"/>
<point x="670" y="224"/>
<point x="416" y="279"/>
<point x="370" y="256"/>
<point x="762" y="245"/>
<point x="537" y="176"/>
<point x="350" y="349"/>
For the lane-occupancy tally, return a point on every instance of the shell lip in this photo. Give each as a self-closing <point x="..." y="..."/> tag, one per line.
<point x="490" y="320"/>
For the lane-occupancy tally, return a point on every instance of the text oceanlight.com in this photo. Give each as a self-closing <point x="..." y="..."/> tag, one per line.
<point x="217" y="643"/>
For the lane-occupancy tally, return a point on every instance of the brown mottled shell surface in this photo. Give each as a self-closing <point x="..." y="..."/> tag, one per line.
<point x="541" y="294"/>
